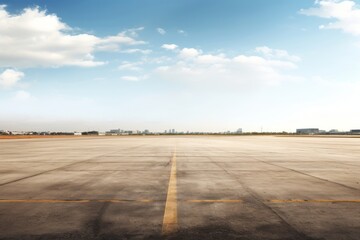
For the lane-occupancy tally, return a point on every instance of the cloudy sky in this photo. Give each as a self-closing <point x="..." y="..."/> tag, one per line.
<point x="202" y="65"/>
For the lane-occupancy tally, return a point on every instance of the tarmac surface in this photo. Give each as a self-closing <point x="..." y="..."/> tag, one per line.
<point x="246" y="187"/>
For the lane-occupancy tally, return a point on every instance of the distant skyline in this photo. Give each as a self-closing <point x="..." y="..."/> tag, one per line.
<point x="189" y="65"/>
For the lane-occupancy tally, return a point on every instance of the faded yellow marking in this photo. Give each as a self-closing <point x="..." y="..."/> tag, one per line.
<point x="314" y="201"/>
<point x="214" y="201"/>
<point x="146" y="200"/>
<point x="72" y="200"/>
<point x="170" y="220"/>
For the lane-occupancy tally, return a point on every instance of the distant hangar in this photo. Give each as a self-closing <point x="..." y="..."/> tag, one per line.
<point x="307" y="131"/>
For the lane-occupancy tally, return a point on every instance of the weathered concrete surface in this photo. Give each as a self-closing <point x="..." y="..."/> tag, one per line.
<point x="226" y="187"/>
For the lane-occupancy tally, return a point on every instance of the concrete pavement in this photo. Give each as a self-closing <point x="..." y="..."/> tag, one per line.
<point x="186" y="187"/>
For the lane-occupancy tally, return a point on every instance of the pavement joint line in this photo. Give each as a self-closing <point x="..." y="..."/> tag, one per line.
<point x="214" y="201"/>
<point x="115" y="200"/>
<point x="75" y="200"/>
<point x="184" y="201"/>
<point x="170" y="220"/>
<point x="307" y="174"/>
<point x="63" y="167"/>
<point x="315" y="201"/>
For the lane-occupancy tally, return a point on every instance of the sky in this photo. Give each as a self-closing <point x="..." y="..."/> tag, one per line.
<point x="189" y="65"/>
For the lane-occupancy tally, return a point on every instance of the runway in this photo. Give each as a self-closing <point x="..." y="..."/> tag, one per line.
<point x="180" y="187"/>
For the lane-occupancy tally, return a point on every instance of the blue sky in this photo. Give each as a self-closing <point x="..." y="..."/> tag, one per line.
<point x="189" y="65"/>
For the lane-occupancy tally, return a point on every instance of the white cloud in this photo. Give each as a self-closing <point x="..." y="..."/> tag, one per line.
<point x="156" y="60"/>
<point x="182" y="32"/>
<point x="212" y="59"/>
<point x="133" y="31"/>
<point x="137" y="50"/>
<point x="133" y="78"/>
<point x="112" y="43"/>
<point x="161" y="31"/>
<point x="10" y="78"/>
<point x="169" y="46"/>
<point x="194" y="66"/>
<point x="345" y="13"/>
<point x="189" y="52"/>
<point x="131" y="66"/>
<point x="22" y="95"/>
<point x="277" y="54"/>
<point x="35" y="38"/>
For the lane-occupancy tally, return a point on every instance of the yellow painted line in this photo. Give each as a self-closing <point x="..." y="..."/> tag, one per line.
<point x="73" y="200"/>
<point x="146" y="200"/>
<point x="214" y="201"/>
<point x="314" y="201"/>
<point x="170" y="215"/>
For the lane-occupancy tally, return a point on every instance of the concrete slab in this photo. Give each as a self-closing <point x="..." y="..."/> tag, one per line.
<point x="245" y="187"/>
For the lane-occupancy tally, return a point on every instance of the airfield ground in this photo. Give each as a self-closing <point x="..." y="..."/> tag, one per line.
<point x="185" y="187"/>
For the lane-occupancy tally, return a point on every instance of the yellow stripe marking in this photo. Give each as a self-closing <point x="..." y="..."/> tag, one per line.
<point x="170" y="215"/>
<point x="314" y="201"/>
<point x="214" y="201"/>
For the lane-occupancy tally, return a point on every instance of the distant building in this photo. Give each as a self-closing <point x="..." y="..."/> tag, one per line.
<point x="239" y="131"/>
<point x="355" y="131"/>
<point x="17" y="133"/>
<point x="77" y="133"/>
<point x="115" y="131"/>
<point x="307" y="131"/>
<point x="171" y="131"/>
<point x="334" y="131"/>
<point x="90" y="133"/>
<point x="4" y="132"/>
